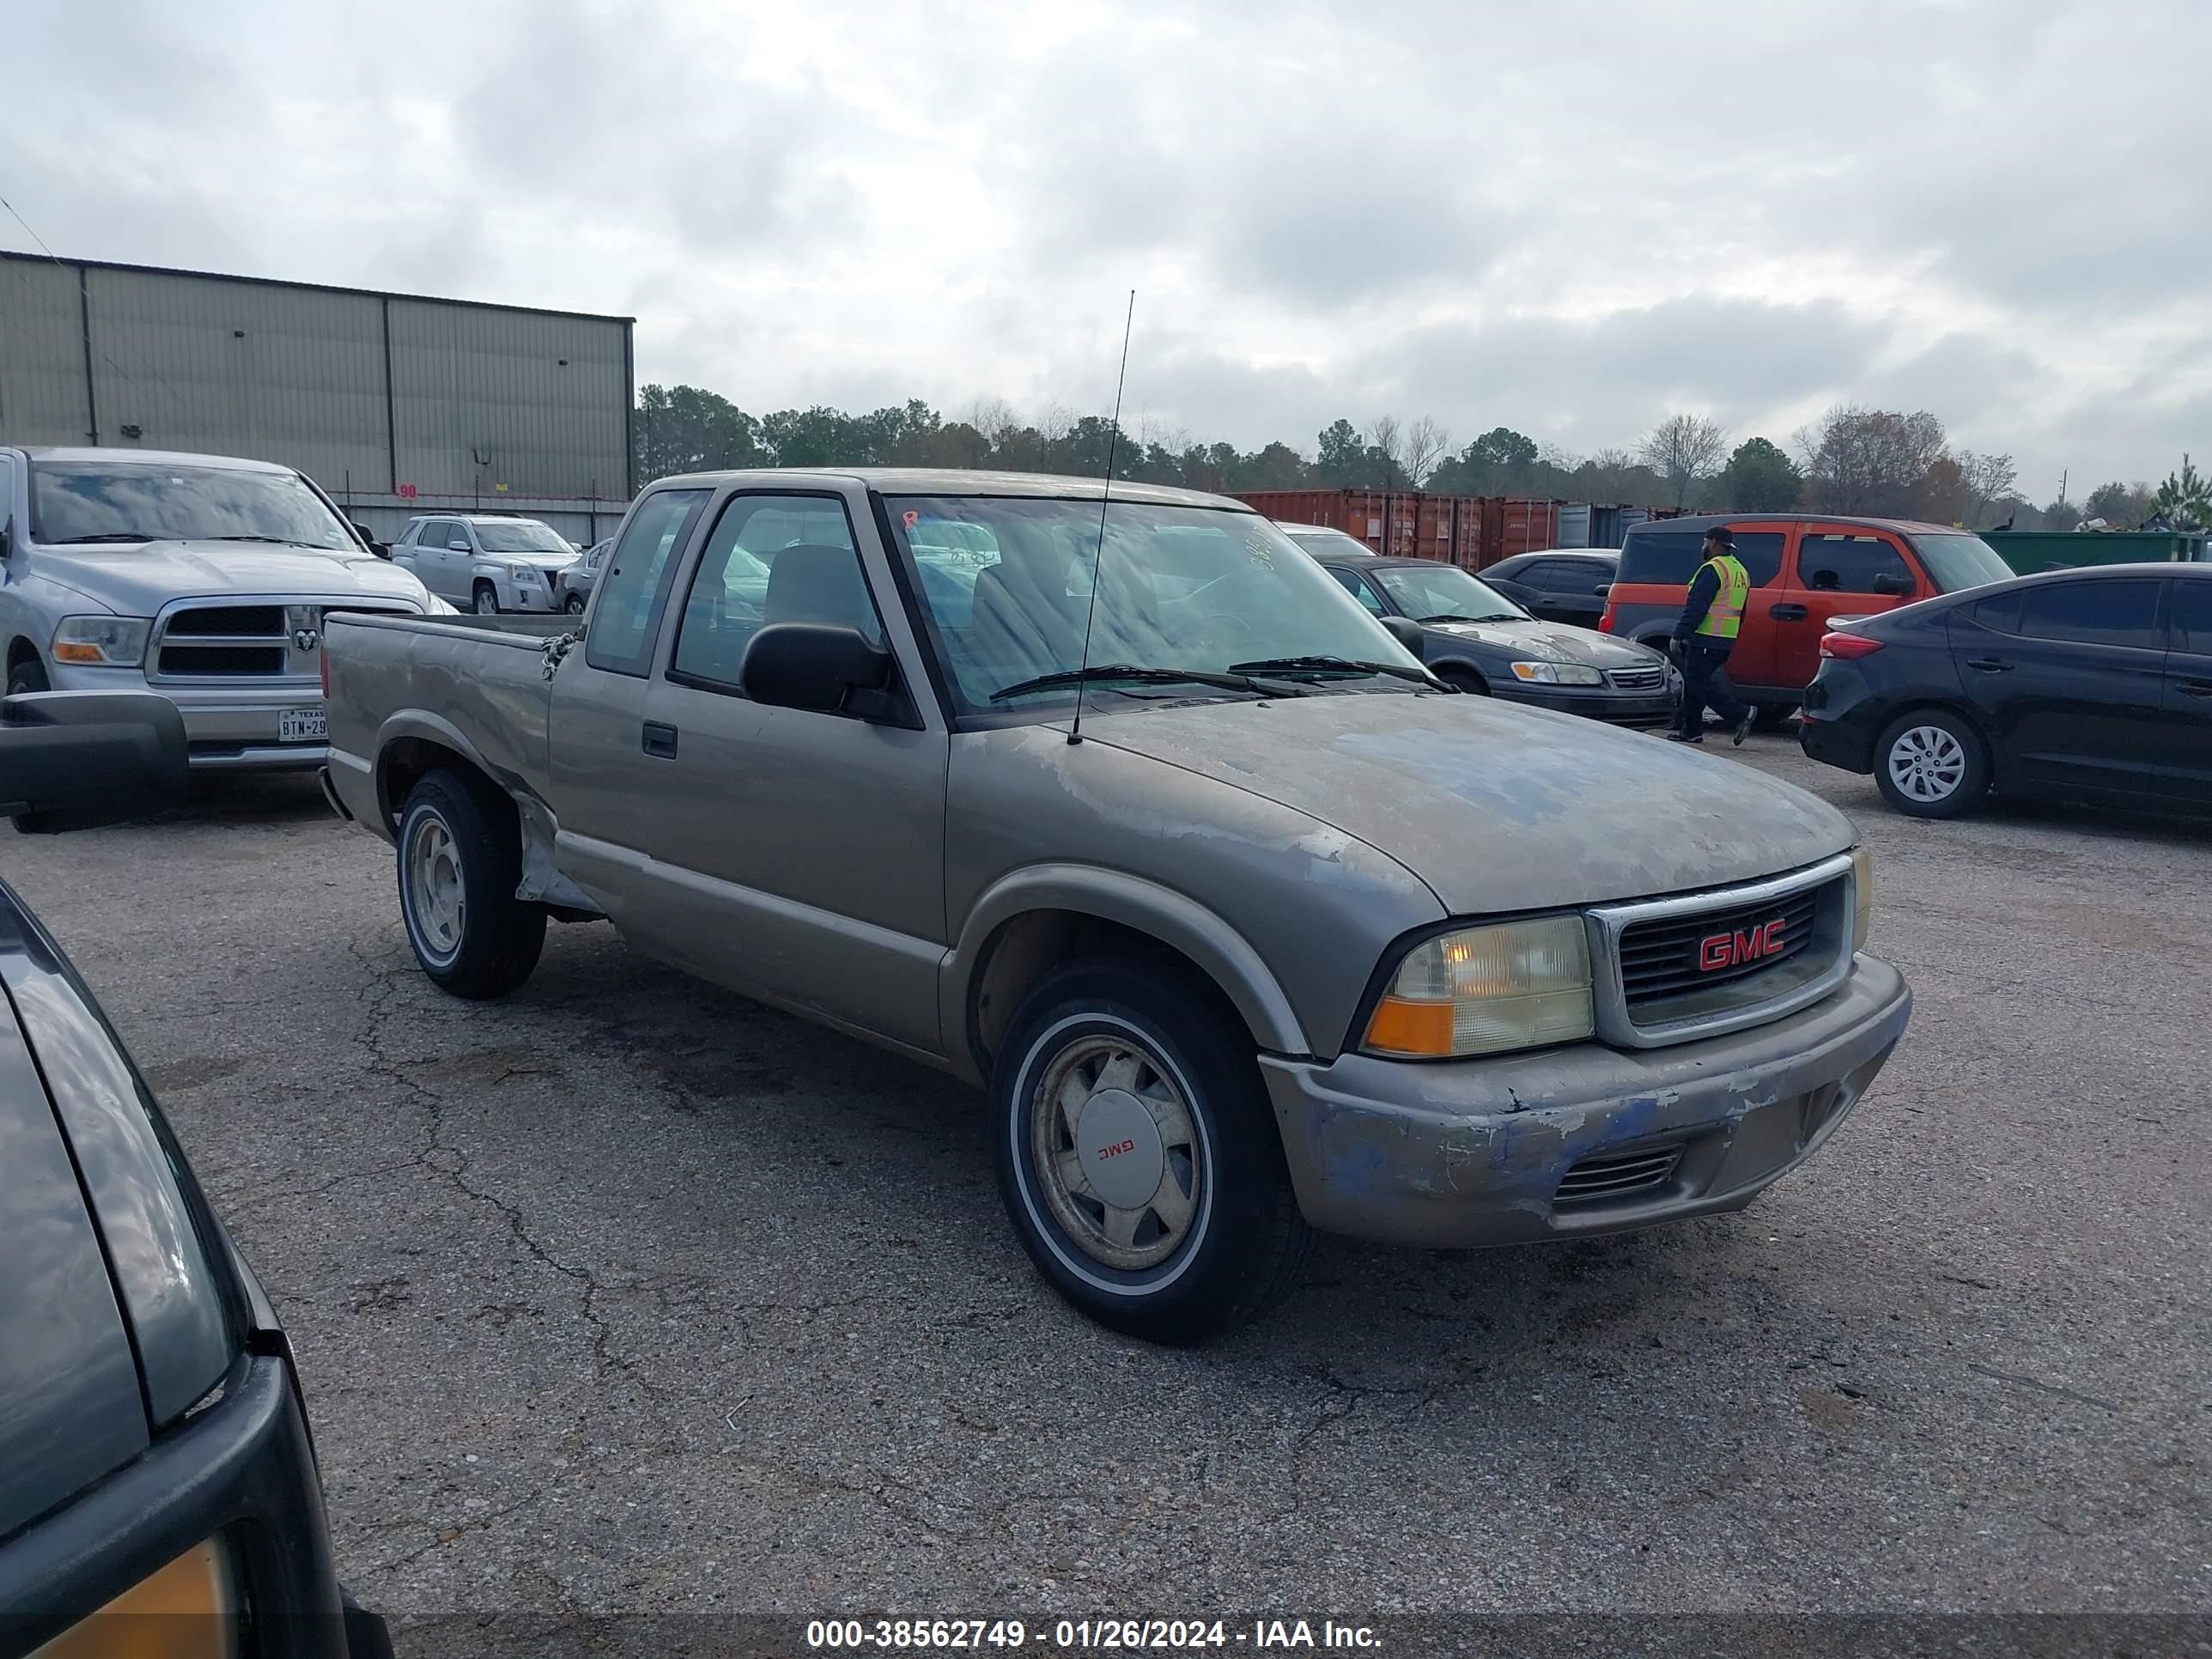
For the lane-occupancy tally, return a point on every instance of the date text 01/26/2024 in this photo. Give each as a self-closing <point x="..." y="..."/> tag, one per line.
<point x="1087" y="1634"/>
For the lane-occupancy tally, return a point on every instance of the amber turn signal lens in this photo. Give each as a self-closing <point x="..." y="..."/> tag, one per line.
<point x="71" y="651"/>
<point x="182" y="1611"/>
<point x="1402" y="1026"/>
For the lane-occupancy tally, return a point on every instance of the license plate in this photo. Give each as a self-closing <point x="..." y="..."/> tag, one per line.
<point x="302" y="726"/>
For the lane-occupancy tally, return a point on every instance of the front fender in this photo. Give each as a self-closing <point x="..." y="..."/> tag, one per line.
<point x="1172" y="918"/>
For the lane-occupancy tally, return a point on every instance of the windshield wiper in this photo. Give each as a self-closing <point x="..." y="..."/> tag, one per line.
<point x="274" y="541"/>
<point x="1122" y="670"/>
<point x="1455" y="616"/>
<point x="1331" y="665"/>
<point x="101" y="536"/>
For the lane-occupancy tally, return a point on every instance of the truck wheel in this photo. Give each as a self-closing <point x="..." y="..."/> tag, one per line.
<point x="459" y="867"/>
<point x="1931" y="765"/>
<point x="1137" y="1157"/>
<point x="28" y="675"/>
<point x="486" y="601"/>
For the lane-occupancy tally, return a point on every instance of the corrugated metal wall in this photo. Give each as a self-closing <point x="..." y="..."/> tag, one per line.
<point x="42" y="385"/>
<point x="513" y="408"/>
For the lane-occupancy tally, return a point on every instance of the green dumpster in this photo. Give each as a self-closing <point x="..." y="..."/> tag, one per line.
<point x="2030" y="551"/>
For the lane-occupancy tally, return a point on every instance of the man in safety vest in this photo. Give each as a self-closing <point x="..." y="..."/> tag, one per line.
<point x="1712" y="615"/>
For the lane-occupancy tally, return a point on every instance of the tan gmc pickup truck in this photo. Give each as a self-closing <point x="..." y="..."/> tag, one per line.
<point x="1284" y="935"/>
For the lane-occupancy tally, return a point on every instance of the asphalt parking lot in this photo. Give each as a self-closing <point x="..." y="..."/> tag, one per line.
<point x="625" y="1296"/>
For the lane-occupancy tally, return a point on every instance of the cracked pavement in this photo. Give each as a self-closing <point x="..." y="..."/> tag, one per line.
<point x="623" y="1295"/>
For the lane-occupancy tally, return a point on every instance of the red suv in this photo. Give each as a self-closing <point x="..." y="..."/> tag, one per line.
<point x="1805" y="572"/>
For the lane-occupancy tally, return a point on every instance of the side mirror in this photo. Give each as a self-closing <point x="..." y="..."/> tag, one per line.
<point x="1602" y="589"/>
<point x="813" y="665"/>
<point x="69" y="760"/>
<point x="458" y="547"/>
<point x="1409" y="633"/>
<point x="1895" y="586"/>
<point x="369" y="540"/>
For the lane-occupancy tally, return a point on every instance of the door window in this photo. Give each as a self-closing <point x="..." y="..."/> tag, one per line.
<point x="1841" y="563"/>
<point x="628" y="614"/>
<point x="2114" y="612"/>
<point x="2192" y="616"/>
<point x="769" y="559"/>
<point x="1358" y="589"/>
<point x="452" y="530"/>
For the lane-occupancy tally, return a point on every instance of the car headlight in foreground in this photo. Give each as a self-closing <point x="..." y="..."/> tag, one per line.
<point x="185" y="1610"/>
<point x="1862" y="889"/>
<point x="102" y="641"/>
<point x="1557" y="673"/>
<point x="1485" y="990"/>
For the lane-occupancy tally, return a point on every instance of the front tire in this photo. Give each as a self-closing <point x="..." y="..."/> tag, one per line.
<point x="1138" y="1157"/>
<point x="28" y="675"/>
<point x="459" y="868"/>
<point x="573" y="605"/>
<point x="1931" y="765"/>
<point x="485" y="599"/>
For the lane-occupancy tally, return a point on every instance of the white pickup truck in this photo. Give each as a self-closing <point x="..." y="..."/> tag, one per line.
<point x="202" y="578"/>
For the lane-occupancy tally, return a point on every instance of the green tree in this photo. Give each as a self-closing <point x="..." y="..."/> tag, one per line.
<point x="684" y="430"/>
<point x="1340" y="459"/>
<point x="1760" y="478"/>
<point x="2184" y="498"/>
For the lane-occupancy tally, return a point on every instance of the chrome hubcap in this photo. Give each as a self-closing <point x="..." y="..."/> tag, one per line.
<point x="1927" y="763"/>
<point x="435" y="897"/>
<point x="1113" y="1142"/>
<point x="487" y="603"/>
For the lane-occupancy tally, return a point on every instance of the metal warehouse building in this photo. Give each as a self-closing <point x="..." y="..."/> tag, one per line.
<point x="396" y="405"/>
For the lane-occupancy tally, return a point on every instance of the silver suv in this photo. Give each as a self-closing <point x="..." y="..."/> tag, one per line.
<point x="486" y="562"/>
<point x="201" y="578"/>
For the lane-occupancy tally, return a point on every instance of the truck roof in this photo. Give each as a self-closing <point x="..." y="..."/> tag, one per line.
<point x="952" y="481"/>
<point x="156" y="457"/>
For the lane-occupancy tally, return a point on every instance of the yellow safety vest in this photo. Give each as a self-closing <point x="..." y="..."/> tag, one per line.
<point x="1724" y="617"/>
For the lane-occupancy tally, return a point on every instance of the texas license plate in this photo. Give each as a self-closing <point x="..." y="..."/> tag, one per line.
<point x="302" y="726"/>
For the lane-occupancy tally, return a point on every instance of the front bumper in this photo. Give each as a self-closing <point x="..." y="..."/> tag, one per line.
<point x="228" y="727"/>
<point x="1615" y="707"/>
<point x="1466" y="1152"/>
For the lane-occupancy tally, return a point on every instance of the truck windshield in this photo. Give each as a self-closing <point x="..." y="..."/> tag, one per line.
<point x="1007" y="584"/>
<point x="92" y="501"/>
<point x="520" y="536"/>
<point x="1958" y="562"/>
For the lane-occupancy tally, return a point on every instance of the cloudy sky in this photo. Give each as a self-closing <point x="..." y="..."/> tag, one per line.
<point x="1571" y="218"/>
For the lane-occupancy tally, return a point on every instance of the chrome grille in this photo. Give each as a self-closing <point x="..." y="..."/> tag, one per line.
<point x="1603" y="1175"/>
<point x="1651" y="679"/>
<point x="270" y="640"/>
<point x="1661" y="959"/>
<point x="1675" y="969"/>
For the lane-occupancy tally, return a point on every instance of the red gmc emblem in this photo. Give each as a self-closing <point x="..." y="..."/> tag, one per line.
<point x="1718" y="951"/>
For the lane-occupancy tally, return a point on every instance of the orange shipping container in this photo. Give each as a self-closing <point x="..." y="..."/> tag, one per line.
<point x="1396" y="522"/>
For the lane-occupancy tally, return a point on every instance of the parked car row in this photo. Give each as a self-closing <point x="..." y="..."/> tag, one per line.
<point x="1132" y="813"/>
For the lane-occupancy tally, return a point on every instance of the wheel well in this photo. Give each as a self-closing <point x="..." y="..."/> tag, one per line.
<point x="21" y="650"/>
<point x="1454" y="669"/>
<point x="1937" y="706"/>
<point x="1024" y="946"/>
<point x="406" y="762"/>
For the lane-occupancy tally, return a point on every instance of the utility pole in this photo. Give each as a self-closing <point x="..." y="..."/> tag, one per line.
<point x="2063" y="477"/>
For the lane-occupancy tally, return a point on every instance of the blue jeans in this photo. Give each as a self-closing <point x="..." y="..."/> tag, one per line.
<point x="1703" y="687"/>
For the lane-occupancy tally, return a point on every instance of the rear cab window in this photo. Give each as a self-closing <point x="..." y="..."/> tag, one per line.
<point x="626" y="618"/>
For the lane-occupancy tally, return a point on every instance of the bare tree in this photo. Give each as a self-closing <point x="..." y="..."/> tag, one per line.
<point x="1876" y="460"/>
<point x="1986" y="479"/>
<point x="1426" y="444"/>
<point x="1386" y="438"/>
<point x="995" y="419"/>
<point x="1056" y="423"/>
<point x="1682" y="449"/>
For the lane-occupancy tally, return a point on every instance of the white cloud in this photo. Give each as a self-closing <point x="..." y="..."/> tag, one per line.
<point x="1568" y="219"/>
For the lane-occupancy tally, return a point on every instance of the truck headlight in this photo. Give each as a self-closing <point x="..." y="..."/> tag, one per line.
<point x="522" y="573"/>
<point x="1862" y="888"/>
<point x="104" y="641"/>
<point x="1557" y="673"/>
<point x="1484" y="990"/>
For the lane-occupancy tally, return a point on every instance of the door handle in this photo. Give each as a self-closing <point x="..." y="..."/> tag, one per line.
<point x="2197" y="687"/>
<point x="1989" y="665"/>
<point x="660" y="740"/>
<point x="1786" y="612"/>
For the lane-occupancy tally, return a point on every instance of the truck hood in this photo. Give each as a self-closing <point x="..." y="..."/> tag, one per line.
<point x="137" y="580"/>
<point x="1543" y="641"/>
<point x="1495" y="806"/>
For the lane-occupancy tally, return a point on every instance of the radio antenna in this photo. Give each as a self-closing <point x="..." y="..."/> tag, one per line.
<point x="1098" y="563"/>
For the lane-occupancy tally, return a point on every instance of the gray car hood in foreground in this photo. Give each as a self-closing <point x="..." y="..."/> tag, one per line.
<point x="1498" y="807"/>
<point x="137" y="580"/>
<point x="1543" y="641"/>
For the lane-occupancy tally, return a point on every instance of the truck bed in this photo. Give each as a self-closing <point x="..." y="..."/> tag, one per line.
<point x="476" y="684"/>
